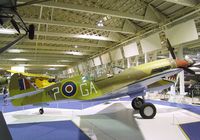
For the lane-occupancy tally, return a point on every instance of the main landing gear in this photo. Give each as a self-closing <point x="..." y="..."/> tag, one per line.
<point x="146" y="110"/>
<point x="41" y="111"/>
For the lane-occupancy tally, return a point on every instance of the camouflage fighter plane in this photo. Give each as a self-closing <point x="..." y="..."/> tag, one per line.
<point x="132" y="82"/>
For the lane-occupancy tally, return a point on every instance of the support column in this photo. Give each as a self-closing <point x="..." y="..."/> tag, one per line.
<point x="128" y="62"/>
<point x="136" y="60"/>
<point x="173" y="87"/>
<point x="154" y="56"/>
<point x="181" y="74"/>
<point x="182" y="83"/>
<point x="146" y="56"/>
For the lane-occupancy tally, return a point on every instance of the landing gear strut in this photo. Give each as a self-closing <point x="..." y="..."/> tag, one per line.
<point x="41" y="111"/>
<point x="146" y="110"/>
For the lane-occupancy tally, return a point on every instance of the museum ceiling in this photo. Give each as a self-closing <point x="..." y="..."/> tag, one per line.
<point x="71" y="31"/>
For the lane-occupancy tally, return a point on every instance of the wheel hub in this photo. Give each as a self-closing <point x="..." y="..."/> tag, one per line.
<point x="138" y="103"/>
<point x="148" y="111"/>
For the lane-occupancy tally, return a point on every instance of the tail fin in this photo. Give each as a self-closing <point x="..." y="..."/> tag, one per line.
<point x="19" y="85"/>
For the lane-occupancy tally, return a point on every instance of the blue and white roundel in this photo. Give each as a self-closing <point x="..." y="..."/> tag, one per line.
<point x="69" y="89"/>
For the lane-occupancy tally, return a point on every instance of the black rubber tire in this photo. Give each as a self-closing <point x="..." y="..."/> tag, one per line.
<point x="142" y="111"/>
<point x="137" y="103"/>
<point x="41" y="111"/>
<point x="31" y="31"/>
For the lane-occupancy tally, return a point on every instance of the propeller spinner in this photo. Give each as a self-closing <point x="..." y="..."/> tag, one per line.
<point x="184" y="64"/>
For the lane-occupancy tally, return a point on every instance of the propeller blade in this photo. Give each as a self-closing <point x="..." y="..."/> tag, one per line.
<point x="189" y="71"/>
<point x="197" y="64"/>
<point x="171" y="49"/>
<point x="190" y="60"/>
<point x="195" y="68"/>
<point x="14" y="23"/>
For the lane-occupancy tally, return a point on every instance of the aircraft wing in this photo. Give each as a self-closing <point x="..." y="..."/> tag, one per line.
<point x="159" y="85"/>
<point x="139" y="88"/>
<point x="25" y="94"/>
<point x="157" y="77"/>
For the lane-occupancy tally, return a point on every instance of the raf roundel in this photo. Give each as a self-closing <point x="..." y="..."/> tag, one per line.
<point x="69" y="89"/>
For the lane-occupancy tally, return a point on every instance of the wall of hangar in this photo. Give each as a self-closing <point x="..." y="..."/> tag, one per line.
<point x="136" y="52"/>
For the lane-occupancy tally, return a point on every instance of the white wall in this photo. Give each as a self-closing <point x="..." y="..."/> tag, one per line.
<point x="130" y="50"/>
<point x="116" y="54"/>
<point x="182" y="33"/>
<point x="105" y="58"/>
<point x="91" y="63"/>
<point x="151" y="43"/>
<point x="97" y="61"/>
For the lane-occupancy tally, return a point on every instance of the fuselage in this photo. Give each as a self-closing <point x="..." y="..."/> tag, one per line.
<point x="82" y="88"/>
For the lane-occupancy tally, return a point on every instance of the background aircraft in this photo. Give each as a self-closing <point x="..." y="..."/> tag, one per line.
<point x="39" y="80"/>
<point x="131" y="82"/>
<point x="8" y="13"/>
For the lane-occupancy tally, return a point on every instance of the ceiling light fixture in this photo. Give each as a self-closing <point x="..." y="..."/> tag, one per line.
<point x="100" y="23"/>
<point x="56" y="65"/>
<point x="64" y="61"/>
<point x="73" y="53"/>
<point x="51" y="68"/>
<point x="23" y="65"/>
<point x="19" y="59"/>
<point x="95" y="37"/>
<point x="15" y="50"/>
<point x="7" y="31"/>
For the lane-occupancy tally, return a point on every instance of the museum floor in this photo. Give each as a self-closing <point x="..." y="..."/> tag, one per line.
<point x="102" y="121"/>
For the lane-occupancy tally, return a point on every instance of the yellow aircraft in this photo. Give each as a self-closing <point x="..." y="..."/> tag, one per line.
<point x="39" y="80"/>
<point x="132" y="82"/>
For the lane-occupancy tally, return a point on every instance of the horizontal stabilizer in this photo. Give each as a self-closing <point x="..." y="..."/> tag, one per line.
<point x="25" y="94"/>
